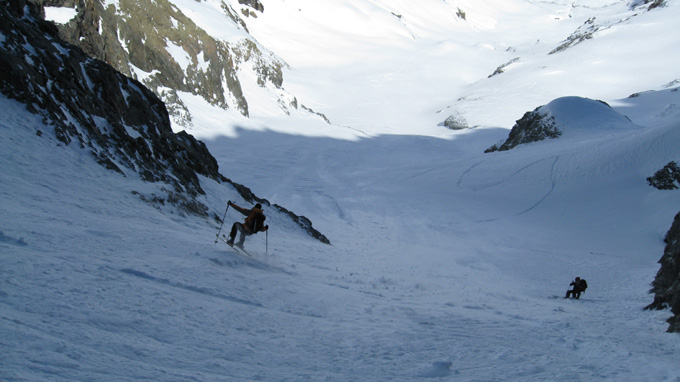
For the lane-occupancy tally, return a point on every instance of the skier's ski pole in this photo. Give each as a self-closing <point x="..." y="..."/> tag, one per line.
<point x="224" y="217"/>
<point x="266" y="242"/>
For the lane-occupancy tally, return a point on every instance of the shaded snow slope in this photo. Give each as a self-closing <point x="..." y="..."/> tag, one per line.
<point x="446" y="262"/>
<point x="439" y="221"/>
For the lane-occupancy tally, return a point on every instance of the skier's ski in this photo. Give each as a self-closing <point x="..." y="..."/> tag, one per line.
<point x="222" y="238"/>
<point x="242" y="250"/>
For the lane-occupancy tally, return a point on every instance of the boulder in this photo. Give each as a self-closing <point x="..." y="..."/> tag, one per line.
<point x="565" y="117"/>
<point x="534" y="126"/>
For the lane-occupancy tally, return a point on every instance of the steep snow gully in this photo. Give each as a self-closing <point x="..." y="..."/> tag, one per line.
<point x="428" y="275"/>
<point x="446" y="263"/>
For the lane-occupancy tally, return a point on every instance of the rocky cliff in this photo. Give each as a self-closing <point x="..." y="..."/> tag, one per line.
<point x="534" y="126"/>
<point x="123" y="124"/>
<point x="668" y="178"/>
<point x="666" y="285"/>
<point x="564" y="115"/>
<point x="157" y="44"/>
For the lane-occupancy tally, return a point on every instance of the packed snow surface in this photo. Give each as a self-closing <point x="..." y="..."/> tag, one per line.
<point x="446" y="263"/>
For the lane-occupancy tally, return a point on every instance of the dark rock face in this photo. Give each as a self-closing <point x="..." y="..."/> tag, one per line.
<point x="668" y="178"/>
<point x="501" y="68"/>
<point x="123" y="124"/>
<point x="175" y="54"/>
<point x="532" y="127"/>
<point x="655" y="4"/>
<point x="305" y="223"/>
<point x="147" y="27"/>
<point x="666" y="285"/>
<point x="652" y="4"/>
<point x="583" y="33"/>
<point x="255" y="4"/>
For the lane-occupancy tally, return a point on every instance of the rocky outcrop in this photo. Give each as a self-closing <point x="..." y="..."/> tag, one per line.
<point x="455" y="121"/>
<point x="565" y="116"/>
<point x="591" y="27"/>
<point x="254" y="4"/>
<point x="461" y="14"/>
<point x="123" y="124"/>
<point x="155" y="43"/>
<point x="305" y="223"/>
<point x="666" y="285"/>
<point x="668" y="178"/>
<point x="652" y="4"/>
<point x="583" y="33"/>
<point x="501" y="68"/>
<point x="534" y="126"/>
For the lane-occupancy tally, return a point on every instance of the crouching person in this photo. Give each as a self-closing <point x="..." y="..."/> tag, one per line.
<point x="579" y="286"/>
<point x="253" y="223"/>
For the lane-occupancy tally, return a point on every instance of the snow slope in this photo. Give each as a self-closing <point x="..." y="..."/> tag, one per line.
<point x="402" y="67"/>
<point x="446" y="263"/>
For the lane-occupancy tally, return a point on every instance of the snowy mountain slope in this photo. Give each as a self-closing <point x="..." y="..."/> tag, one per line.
<point x="410" y="66"/>
<point x="180" y="49"/>
<point x="85" y="262"/>
<point x="122" y="123"/>
<point x="446" y="262"/>
<point x="102" y="287"/>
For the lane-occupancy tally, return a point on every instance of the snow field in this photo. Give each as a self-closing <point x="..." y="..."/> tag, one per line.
<point x="445" y="263"/>
<point x="98" y="285"/>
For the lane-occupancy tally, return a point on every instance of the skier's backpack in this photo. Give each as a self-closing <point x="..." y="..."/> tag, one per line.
<point x="258" y="222"/>
<point x="584" y="285"/>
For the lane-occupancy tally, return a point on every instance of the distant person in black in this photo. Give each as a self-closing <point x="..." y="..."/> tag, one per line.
<point x="579" y="285"/>
<point x="254" y="223"/>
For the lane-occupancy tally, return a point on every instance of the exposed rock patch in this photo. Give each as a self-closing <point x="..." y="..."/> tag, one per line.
<point x="456" y="121"/>
<point x="254" y="4"/>
<point x="652" y="4"/>
<point x="534" y="126"/>
<point x="565" y="116"/>
<point x="583" y="33"/>
<point x="501" y="68"/>
<point x="668" y="178"/>
<point x="666" y="285"/>
<point x="155" y="43"/>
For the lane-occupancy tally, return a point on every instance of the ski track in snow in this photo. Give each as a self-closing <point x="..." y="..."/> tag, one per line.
<point x="552" y="187"/>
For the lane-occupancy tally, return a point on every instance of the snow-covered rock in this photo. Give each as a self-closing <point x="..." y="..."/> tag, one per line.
<point x="568" y="116"/>
<point x="446" y="263"/>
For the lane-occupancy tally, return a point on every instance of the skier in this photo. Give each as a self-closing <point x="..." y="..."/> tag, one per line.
<point x="253" y="223"/>
<point x="580" y="285"/>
